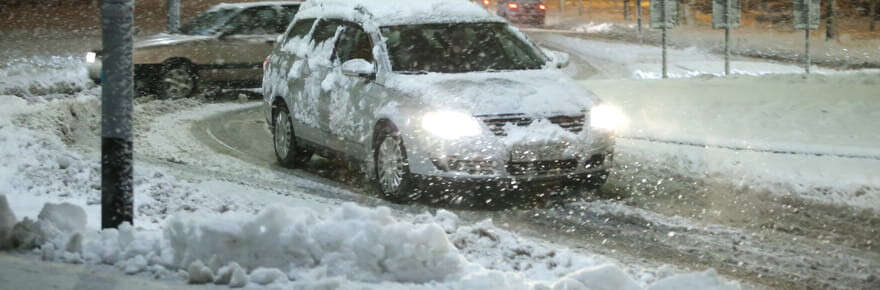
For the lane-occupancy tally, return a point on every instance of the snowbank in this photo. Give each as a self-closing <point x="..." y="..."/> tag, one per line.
<point x="36" y="166"/>
<point x="345" y="247"/>
<point x="43" y="76"/>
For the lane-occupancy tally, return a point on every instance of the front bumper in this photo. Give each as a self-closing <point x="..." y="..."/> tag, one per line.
<point x="491" y="159"/>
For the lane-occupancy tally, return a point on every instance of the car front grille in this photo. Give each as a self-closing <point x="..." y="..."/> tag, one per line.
<point x="542" y="167"/>
<point x="496" y="123"/>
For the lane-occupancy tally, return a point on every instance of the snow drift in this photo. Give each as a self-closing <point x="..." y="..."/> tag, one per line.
<point x="346" y="247"/>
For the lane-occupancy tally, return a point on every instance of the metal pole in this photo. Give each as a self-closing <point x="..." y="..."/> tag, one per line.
<point x="116" y="109"/>
<point x="639" y="17"/>
<point x="727" y="49"/>
<point x="173" y="16"/>
<point x="807" y="55"/>
<point x="665" y="23"/>
<point x="727" y="37"/>
<point x="664" y="53"/>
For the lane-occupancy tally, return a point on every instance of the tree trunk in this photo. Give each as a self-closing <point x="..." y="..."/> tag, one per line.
<point x="873" y="13"/>
<point x="625" y="10"/>
<point x="831" y="23"/>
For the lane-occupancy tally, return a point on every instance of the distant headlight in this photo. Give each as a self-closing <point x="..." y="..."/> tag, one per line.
<point x="606" y="117"/>
<point x="91" y="57"/>
<point x="450" y="125"/>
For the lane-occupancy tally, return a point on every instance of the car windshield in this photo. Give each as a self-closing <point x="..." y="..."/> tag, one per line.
<point x="208" y="23"/>
<point x="458" y="47"/>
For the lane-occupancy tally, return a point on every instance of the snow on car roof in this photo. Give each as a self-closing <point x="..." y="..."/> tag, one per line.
<point x="397" y="12"/>
<point x="243" y="5"/>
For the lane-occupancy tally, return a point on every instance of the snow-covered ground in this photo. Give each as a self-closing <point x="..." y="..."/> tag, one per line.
<point x="853" y="49"/>
<point x="782" y="133"/>
<point x="767" y="126"/>
<point x="192" y="227"/>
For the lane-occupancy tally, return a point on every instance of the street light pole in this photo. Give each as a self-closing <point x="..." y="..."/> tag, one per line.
<point x="116" y="108"/>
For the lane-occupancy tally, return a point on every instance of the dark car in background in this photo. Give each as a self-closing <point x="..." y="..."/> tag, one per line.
<point x="522" y="11"/>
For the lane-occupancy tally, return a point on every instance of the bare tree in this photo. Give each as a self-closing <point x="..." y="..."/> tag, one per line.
<point x="831" y="22"/>
<point x="626" y="10"/>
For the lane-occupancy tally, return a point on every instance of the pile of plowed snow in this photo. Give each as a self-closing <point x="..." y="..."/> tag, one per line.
<point x="348" y="247"/>
<point x="55" y="76"/>
<point x="36" y="165"/>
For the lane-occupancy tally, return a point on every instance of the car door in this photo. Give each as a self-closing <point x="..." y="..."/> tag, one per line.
<point x="348" y="123"/>
<point x="316" y="94"/>
<point x="245" y="42"/>
<point x="288" y="78"/>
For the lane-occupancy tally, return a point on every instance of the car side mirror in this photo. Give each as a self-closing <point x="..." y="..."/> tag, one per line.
<point x="359" y="68"/>
<point x="557" y="58"/>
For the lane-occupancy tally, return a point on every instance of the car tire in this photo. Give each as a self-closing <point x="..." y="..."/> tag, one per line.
<point x="391" y="175"/>
<point x="177" y="81"/>
<point x="287" y="152"/>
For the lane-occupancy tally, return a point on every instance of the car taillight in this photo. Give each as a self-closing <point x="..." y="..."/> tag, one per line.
<point x="265" y="63"/>
<point x="542" y="6"/>
<point x="513" y="5"/>
<point x="486" y="3"/>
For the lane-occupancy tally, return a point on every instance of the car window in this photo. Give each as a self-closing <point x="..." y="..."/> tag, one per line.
<point x="300" y="29"/>
<point x="326" y="29"/>
<point x="207" y="23"/>
<point x="458" y="47"/>
<point x="287" y="13"/>
<point x="354" y="43"/>
<point x="258" y="21"/>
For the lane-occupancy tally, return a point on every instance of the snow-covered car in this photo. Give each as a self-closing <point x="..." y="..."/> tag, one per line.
<point x="224" y="45"/>
<point x="522" y="11"/>
<point x="434" y="90"/>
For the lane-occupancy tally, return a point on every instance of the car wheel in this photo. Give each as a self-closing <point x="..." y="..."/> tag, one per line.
<point x="286" y="150"/>
<point x="177" y="82"/>
<point x="392" y="176"/>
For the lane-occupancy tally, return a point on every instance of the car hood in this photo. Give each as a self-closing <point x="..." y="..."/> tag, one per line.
<point x="538" y="92"/>
<point x="162" y="39"/>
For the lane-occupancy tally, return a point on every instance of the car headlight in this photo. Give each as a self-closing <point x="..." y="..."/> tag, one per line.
<point x="606" y="117"/>
<point x="91" y="56"/>
<point x="450" y="124"/>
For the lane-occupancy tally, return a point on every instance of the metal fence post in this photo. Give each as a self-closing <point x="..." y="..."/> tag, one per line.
<point x="116" y="109"/>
